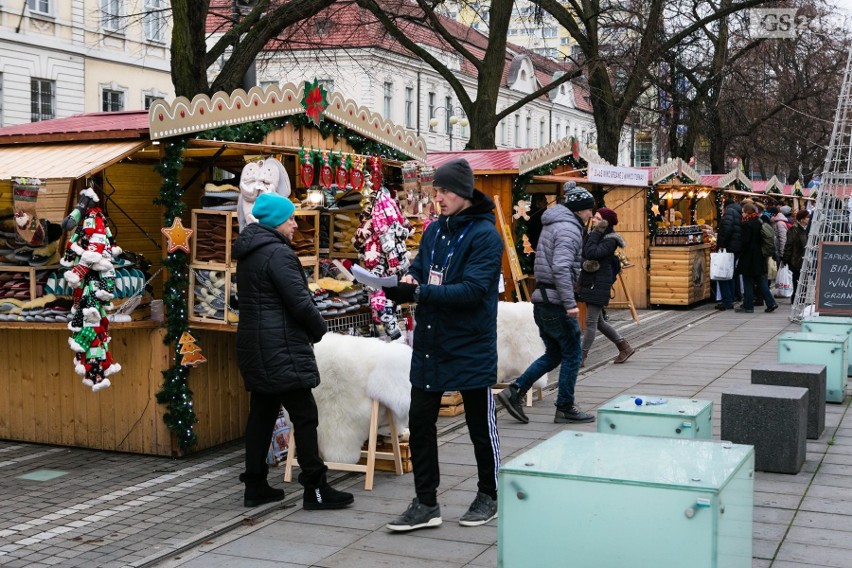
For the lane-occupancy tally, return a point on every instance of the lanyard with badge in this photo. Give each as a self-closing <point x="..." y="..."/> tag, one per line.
<point x="436" y="277"/>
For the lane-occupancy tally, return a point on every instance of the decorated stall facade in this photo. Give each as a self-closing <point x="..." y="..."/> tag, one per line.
<point x="150" y="171"/>
<point x="620" y="189"/>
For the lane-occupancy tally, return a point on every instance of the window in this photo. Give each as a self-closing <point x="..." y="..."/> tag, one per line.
<point x="548" y="32"/>
<point x="567" y="130"/>
<point x="110" y="15"/>
<point x="112" y="100"/>
<point x="41" y="100"/>
<point x="517" y="131"/>
<point x="39" y="6"/>
<point x="564" y="40"/>
<point x="431" y="110"/>
<point x="266" y="84"/>
<point x="327" y="84"/>
<point x="529" y="131"/>
<point x="409" y="107"/>
<point x="503" y="131"/>
<point x="388" y="99"/>
<point x="154" y="20"/>
<point x="541" y="133"/>
<point x="448" y="105"/>
<point x="149" y="100"/>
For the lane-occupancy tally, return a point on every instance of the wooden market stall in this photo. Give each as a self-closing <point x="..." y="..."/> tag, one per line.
<point x="41" y="399"/>
<point x="680" y="254"/>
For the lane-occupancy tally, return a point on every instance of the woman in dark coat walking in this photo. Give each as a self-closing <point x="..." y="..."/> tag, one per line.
<point x="279" y="324"/>
<point x="600" y="269"/>
<point x="752" y="262"/>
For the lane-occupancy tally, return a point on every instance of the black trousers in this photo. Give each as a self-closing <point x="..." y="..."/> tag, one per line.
<point x="479" y="413"/>
<point x="302" y="408"/>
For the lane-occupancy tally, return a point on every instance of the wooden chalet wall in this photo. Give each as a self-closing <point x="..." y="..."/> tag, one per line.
<point x="629" y="204"/>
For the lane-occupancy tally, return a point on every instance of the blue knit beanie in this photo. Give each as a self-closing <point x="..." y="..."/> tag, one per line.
<point x="271" y="209"/>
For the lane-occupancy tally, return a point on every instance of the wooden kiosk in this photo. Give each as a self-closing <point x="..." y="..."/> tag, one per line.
<point x="41" y="398"/>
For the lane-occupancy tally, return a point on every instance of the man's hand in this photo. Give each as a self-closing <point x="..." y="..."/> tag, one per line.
<point x="408" y="279"/>
<point x="573" y="313"/>
<point x="402" y="293"/>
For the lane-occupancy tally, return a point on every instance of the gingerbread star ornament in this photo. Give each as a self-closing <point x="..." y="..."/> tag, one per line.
<point x="178" y="236"/>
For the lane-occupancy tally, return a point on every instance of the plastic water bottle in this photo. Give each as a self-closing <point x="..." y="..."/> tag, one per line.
<point x="652" y="401"/>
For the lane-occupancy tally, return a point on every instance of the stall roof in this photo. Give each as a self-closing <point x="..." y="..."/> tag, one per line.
<point x="64" y="161"/>
<point x="121" y="125"/>
<point x="482" y="161"/>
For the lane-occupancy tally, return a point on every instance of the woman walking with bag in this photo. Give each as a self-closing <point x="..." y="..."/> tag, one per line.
<point x="600" y="269"/>
<point x="752" y="262"/>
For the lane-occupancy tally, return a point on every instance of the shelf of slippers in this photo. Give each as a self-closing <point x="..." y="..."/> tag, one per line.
<point x="24" y="282"/>
<point x="342" y="227"/>
<point x="214" y="233"/>
<point x="213" y="295"/>
<point x="306" y="238"/>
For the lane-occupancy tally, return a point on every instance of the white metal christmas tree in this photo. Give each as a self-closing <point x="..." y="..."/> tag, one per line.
<point x="831" y="219"/>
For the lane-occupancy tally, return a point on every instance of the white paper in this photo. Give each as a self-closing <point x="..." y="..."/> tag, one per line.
<point x="369" y="279"/>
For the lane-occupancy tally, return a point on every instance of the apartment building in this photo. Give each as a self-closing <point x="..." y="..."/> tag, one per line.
<point x="64" y="57"/>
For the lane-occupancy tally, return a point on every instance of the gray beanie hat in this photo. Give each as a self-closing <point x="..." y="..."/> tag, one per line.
<point x="786" y="210"/>
<point x="455" y="176"/>
<point x="577" y="198"/>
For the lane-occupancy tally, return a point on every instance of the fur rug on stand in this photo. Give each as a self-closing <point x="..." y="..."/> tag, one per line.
<point x="518" y="343"/>
<point x="354" y="371"/>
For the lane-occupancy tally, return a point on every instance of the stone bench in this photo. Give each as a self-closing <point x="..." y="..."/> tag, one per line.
<point x="811" y="377"/>
<point x="771" y="418"/>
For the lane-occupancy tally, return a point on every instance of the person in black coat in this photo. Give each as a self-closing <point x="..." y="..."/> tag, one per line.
<point x="600" y="269"/>
<point x="454" y="280"/>
<point x="278" y="326"/>
<point x="730" y="238"/>
<point x="752" y="263"/>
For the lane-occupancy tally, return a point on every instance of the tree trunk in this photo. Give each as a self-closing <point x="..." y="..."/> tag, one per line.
<point x="189" y="48"/>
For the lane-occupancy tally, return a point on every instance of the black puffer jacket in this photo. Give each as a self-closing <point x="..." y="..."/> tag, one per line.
<point x="600" y="266"/>
<point x="279" y="322"/>
<point x="730" y="236"/>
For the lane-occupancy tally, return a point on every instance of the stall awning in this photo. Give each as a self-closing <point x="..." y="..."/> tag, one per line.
<point x="63" y="161"/>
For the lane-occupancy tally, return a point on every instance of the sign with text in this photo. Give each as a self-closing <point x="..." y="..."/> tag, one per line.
<point x="614" y="175"/>
<point x="834" y="279"/>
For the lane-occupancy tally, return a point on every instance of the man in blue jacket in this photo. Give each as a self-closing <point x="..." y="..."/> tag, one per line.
<point x="558" y="259"/>
<point x="454" y="281"/>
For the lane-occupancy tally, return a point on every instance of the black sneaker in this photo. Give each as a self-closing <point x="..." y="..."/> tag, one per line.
<point x="258" y="492"/>
<point x="513" y="400"/>
<point x="417" y="516"/>
<point x="771" y="308"/>
<point x="572" y="415"/>
<point x="482" y="510"/>
<point x="325" y="497"/>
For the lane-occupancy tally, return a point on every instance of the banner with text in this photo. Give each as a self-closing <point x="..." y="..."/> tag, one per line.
<point x="614" y="175"/>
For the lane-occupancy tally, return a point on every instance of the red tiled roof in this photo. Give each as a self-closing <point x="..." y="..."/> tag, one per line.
<point x="481" y="161"/>
<point x="89" y="126"/>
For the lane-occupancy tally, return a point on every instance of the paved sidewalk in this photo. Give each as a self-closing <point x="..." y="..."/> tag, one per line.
<point x="123" y="510"/>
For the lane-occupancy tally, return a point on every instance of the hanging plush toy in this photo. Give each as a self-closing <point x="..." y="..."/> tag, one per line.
<point x="263" y="176"/>
<point x="89" y="257"/>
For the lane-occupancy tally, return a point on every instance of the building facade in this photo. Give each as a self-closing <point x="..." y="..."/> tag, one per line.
<point x="64" y="57"/>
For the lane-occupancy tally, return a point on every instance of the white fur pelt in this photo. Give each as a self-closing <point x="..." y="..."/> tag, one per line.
<point x="518" y="342"/>
<point x="354" y="371"/>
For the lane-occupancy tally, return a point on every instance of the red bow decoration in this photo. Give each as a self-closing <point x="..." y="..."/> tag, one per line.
<point x="314" y="100"/>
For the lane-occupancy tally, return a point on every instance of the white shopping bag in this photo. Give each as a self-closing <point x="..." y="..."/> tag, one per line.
<point x="721" y="265"/>
<point x="784" y="282"/>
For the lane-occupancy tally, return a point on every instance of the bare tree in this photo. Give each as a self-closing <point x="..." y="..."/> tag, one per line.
<point x="485" y="52"/>
<point x="243" y="28"/>
<point x="624" y="43"/>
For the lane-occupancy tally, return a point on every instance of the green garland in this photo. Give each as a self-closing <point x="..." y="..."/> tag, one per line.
<point x="175" y="393"/>
<point x="519" y="192"/>
<point x="180" y="415"/>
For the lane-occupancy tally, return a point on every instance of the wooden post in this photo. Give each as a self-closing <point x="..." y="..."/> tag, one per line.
<point x="518" y="276"/>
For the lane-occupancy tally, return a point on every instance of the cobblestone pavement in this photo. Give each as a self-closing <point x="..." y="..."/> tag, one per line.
<point x="110" y="509"/>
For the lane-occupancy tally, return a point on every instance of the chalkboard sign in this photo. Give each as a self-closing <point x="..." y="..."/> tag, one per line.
<point x="834" y="279"/>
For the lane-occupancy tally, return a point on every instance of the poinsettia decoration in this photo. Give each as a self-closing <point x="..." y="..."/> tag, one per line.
<point x="315" y="100"/>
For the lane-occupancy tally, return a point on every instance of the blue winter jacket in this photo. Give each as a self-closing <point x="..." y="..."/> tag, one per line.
<point x="455" y="334"/>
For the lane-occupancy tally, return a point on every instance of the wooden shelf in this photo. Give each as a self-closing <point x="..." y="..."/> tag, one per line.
<point x="140" y="324"/>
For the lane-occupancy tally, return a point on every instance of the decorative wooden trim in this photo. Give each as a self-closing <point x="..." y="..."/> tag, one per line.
<point x="203" y="112"/>
<point x="529" y="161"/>
<point x="733" y="176"/>
<point x="676" y="168"/>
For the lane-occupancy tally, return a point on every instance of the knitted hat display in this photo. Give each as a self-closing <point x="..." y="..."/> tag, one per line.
<point x="271" y="209"/>
<point x="608" y="215"/>
<point x="577" y="198"/>
<point x="455" y="176"/>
